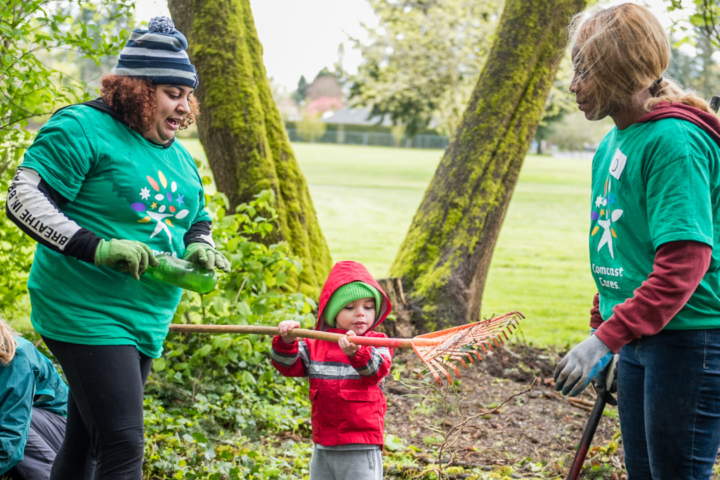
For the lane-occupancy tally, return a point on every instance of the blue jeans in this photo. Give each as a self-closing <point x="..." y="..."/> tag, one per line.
<point x="669" y="404"/>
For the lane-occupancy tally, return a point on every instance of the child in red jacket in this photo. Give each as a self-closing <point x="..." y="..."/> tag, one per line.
<point x="348" y="406"/>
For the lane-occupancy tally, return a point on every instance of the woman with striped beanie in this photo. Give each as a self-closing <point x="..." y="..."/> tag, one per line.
<point x="103" y="189"/>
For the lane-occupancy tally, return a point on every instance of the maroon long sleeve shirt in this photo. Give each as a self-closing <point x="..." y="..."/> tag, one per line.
<point x="678" y="269"/>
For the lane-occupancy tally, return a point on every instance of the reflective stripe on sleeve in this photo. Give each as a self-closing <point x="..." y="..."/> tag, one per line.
<point x="376" y="359"/>
<point x="283" y="358"/>
<point x="304" y="354"/>
<point x="332" y="371"/>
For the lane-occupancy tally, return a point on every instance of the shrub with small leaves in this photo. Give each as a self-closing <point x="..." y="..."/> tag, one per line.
<point x="211" y="396"/>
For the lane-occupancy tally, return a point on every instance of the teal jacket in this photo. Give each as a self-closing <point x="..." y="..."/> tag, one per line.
<point x="29" y="380"/>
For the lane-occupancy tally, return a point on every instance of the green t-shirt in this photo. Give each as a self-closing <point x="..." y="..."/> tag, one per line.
<point x="654" y="183"/>
<point x="119" y="185"/>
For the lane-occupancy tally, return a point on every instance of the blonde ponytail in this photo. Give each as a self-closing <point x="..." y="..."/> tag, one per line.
<point x="623" y="50"/>
<point x="8" y="344"/>
<point x="668" y="90"/>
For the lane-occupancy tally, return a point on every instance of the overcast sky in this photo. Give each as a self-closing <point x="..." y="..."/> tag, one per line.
<point x="300" y="37"/>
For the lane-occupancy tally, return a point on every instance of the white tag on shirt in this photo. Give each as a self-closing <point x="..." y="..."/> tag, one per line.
<point x="618" y="164"/>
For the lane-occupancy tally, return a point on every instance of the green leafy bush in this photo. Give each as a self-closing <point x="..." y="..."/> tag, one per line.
<point x="211" y="397"/>
<point x="16" y="248"/>
<point x="30" y="32"/>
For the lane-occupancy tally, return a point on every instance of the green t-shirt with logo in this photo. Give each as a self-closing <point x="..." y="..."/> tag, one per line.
<point x="118" y="185"/>
<point x="654" y="183"/>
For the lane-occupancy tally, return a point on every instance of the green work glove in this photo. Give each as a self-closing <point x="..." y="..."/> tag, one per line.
<point x="133" y="256"/>
<point x="205" y="255"/>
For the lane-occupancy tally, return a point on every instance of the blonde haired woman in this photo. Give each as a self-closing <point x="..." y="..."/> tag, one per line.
<point x="654" y="233"/>
<point x="33" y="405"/>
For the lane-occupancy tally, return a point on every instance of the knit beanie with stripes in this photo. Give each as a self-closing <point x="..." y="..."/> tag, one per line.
<point x="158" y="54"/>
<point x="349" y="293"/>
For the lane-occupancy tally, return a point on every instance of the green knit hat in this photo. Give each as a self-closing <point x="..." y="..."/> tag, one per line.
<point x="349" y="293"/>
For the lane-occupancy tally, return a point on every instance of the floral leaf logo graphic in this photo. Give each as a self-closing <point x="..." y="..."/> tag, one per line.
<point x="606" y="217"/>
<point x="164" y="205"/>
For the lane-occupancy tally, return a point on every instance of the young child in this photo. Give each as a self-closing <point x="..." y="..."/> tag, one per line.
<point x="348" y="406"/>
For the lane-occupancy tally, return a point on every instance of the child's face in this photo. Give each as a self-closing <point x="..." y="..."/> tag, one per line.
<point x="357" y="316"/>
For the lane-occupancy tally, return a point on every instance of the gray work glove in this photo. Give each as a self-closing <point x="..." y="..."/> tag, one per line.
<point x="601" y="382"/>
<point x="581" y="365"/>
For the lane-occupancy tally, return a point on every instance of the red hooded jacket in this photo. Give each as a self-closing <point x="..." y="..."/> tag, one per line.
<point x="348" y="405"/>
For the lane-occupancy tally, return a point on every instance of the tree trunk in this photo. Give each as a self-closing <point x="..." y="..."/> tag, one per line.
<point x="444" y="259"/>
<point x="399" y="324"/>
<point x="241" y="129"/>
<point x="541" y="144"/>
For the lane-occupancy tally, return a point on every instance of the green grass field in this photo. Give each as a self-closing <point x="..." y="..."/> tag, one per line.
<point x="365" y="198"/>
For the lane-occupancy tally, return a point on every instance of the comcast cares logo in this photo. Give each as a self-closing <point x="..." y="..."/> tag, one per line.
<point x="161" y="206"/>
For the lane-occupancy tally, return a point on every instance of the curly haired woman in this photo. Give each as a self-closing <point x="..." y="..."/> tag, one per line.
<point x="655" y="222"/>
<point x="103" y="189"/>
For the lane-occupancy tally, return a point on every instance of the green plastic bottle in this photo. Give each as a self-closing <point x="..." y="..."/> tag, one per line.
<point x="183" y="274"/>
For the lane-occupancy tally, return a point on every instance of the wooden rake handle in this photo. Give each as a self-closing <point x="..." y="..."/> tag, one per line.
<point x="298" y="332"/>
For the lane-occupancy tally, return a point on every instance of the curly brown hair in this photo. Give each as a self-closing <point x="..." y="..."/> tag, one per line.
<point x="134" y="99"/>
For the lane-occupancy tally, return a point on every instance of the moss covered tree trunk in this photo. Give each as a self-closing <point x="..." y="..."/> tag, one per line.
<point x="444" y="259"/>
<point x="241" y="129"/>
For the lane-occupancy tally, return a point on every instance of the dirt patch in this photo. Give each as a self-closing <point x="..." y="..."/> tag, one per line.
<point x="535" y="434"/>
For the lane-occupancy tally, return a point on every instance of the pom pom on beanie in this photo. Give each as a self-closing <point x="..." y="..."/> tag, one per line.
<point x="161" y="24"/>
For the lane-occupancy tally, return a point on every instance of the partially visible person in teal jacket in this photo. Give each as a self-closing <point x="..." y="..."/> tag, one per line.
<point x="33" y="406"/>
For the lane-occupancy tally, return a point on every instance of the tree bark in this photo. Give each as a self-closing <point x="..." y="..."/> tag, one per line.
<point x="399" y="324"/>
<point x="241" y="129"/>
<point x="444" y="259"/>
<point x="541" y="147"/>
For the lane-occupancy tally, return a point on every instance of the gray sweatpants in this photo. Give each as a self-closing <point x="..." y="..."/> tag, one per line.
<point x="45" y="437"/>
<point x="346" y="464"/>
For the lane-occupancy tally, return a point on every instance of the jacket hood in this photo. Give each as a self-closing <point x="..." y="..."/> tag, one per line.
<point x="708" y="122"/>
<point x="342" y="274"/>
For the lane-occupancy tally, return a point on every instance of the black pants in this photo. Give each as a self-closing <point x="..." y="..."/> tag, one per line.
<point x="44" y="439"/>
<point x="105" y="410"/>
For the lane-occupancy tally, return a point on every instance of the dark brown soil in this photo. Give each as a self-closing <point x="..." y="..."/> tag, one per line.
<point x="537" y="426"/>
<point x="533" y="436"/>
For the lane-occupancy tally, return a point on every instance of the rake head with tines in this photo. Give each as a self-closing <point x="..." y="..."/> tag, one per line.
<point x="438" y="350"/>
